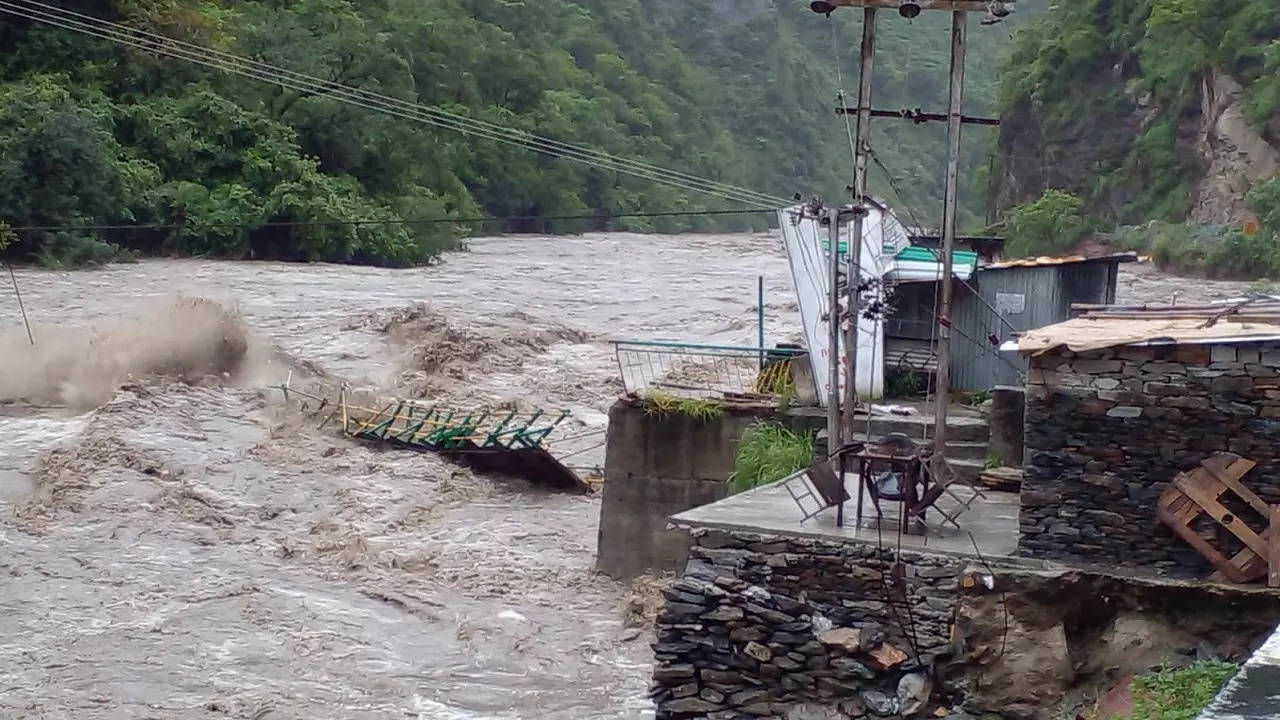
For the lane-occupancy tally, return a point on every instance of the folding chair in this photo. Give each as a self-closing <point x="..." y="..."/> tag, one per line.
<point x="941" y="480"/>
<point x="817" y="488"/>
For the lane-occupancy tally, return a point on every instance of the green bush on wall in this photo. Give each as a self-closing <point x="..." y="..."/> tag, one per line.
<point x="769" y="452"/>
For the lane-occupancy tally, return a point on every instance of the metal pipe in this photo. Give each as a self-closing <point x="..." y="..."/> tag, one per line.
<point x="833" y="339"/>
<point x="853" y="257"/>
<point x="955" y="112"/>
<point x="760" y="317"/>
<point x="21" y="308"/>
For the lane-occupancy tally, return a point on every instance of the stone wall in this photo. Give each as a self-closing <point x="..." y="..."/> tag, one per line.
<point x="1008" y="429"/>
<point x="764" y="626"/>
<point x="657" y="466"/>
<point x="808" y="629"/>
<point x="1106" y="431"/>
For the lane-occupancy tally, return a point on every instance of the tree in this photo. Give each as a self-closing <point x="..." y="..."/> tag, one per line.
<point x="1049" y="225"/>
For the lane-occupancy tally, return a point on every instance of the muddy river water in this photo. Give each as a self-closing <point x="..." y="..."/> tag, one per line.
<point x="193" y="550"/>
<point x="196" y="550"/>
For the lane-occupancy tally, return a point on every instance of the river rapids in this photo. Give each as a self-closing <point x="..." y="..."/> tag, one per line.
<point x="179" y="543"/>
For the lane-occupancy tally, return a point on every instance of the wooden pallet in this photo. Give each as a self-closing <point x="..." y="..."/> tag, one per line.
<point x="1002" y="479"/>
<point x="1200" y="492"/>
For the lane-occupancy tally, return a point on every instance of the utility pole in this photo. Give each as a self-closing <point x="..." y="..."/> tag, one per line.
<point x="853" y="271"/>
<point x="954" y="117"/>
<point x="833" y="340"/>
<point x="995" y="11"/>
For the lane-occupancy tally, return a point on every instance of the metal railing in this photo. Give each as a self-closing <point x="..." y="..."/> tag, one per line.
<point x="704" y="371"/>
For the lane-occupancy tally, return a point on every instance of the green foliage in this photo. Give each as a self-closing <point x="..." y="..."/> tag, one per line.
<point x="769" y="452"/>
<point x="977" y="397"/>
<point x="1096" y="92"/>
<point x="1050" y="225"/>
<point x="664" y="404"/>
<point x="745" y="99"/>
<point x="1212" y="250"/>
<point x="1264" y="199"/>
<point x="1264" y="286"/>
<point x="904" y="384"/>
<point x="1179" y="694"/>
<point x="992" y="460"/>
<point x="60" y="164"/>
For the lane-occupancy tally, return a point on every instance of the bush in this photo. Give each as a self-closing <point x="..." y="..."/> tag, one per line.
<point x="769" y="452"/>
<point x="1209" y="250"/>
<point x="1264" y="199"/>
<point x="1050" y="225"/>
<point x="905" y="383"/>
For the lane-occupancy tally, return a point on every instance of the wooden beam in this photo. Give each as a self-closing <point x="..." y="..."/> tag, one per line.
<point x="1208" y="501"/>
<point x="920" y="116"/>
<point x="1273" y="544"/>
<point x="949" y="5"/>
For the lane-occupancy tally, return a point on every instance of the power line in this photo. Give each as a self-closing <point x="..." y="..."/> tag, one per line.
<point x="161" y="44"/>
<point x="934" y="251"/>
<point x="227" y="62"/>
<point x="413" y="221"/>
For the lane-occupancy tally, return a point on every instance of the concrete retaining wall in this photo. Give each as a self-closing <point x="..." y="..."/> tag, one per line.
<point x="659" y="465"/>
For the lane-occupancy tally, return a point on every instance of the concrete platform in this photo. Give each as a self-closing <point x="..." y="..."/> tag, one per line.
<point x="990" y="523"/>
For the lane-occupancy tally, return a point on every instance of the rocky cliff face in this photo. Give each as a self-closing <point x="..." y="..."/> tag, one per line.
<point x="1232" y="153"/>
<point x="1220" y="150"/>
<point x="1146" y="110"/>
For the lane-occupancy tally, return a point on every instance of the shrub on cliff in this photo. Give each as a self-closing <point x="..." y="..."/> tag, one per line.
<point x="1048" y="226"/>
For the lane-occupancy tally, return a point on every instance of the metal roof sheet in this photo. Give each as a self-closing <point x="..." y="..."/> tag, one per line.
<point x="1045" y="260"/>
<point x="1097" y="333"/>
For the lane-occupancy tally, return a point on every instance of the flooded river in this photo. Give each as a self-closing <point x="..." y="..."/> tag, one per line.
<point x="194" y="550"/>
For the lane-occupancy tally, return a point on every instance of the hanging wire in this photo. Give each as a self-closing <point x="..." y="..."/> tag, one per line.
<point x="162" y="44"/>
<point x="848" y="127"/>
<point x="937" y="255"/>
<point x="227" y="62"/>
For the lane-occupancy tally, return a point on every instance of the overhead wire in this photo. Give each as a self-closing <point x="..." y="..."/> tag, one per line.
<point x="937" y="255"/>
<point x="139" y="35"/>
<point x="840" y="97"/>
<point x="170" y="47"/>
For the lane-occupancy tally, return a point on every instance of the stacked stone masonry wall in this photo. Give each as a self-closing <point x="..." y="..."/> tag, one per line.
<point x="764" y="626"/>
<point x="1106" y="431"/>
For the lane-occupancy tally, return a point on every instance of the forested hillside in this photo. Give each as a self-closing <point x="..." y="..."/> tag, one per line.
<point x="1132" y="111"/>
<point x="200" y="163"/>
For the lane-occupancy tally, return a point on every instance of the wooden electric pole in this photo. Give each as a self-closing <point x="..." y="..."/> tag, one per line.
<point x="954" y="117"/>
<point x="834" y="441"/>
<point x="959" y="9"/>
<point x="853" y="257"/>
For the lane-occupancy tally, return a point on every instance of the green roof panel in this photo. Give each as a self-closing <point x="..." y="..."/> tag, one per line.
<point x="916" y="253"/>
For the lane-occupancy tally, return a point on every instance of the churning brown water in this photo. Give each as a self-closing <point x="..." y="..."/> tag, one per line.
<point x="178" y="544"/>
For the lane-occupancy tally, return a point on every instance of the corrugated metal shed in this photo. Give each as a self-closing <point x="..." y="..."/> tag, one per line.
<point x="1010" y="298"/>
<point x="1014" y="299"/>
